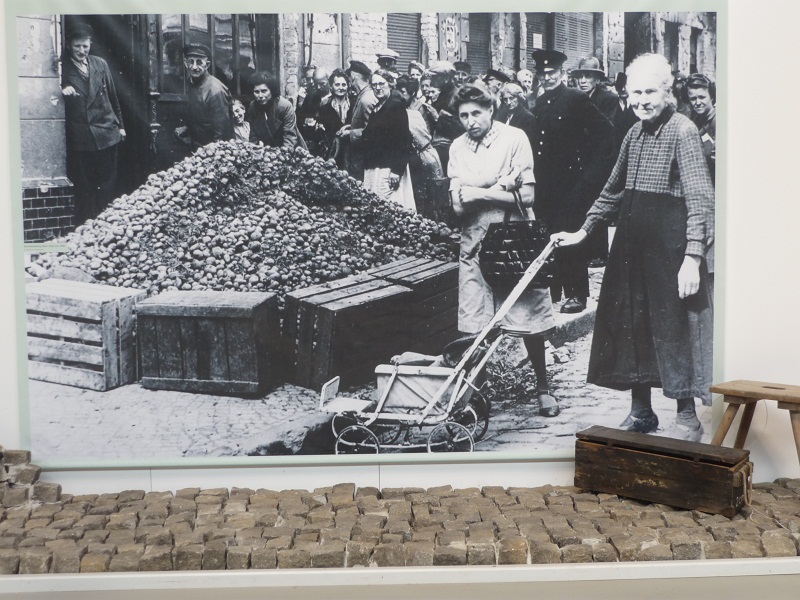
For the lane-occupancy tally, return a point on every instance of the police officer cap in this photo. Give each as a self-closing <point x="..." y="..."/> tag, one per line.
<point x="548" y="60"/>
<point x="356" y="66"/>
<point x="463" y="66"/>
<point x="589" y="66"/>
<point x="79" y="31"/>
<point x="499" y="75"/>
<point x="197" y="50"/>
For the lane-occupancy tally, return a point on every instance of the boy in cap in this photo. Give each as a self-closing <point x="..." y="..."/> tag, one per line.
<point x="573" y="152"/>
<point x="208" y="112"/>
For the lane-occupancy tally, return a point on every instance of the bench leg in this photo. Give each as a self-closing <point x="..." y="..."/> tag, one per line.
<point x="744" y="425"/>
<point x="725" y="424"/>
<point x="795" y="417"/>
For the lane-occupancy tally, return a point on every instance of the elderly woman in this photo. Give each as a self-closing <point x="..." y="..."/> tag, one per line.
<point x="387" y="144"/>
<point x="702" y="94"/>
<point x="515" y="114"/>
<point x="272" y="119"/>
<point x="487" y="165"/>
<point x="654" y="317"/>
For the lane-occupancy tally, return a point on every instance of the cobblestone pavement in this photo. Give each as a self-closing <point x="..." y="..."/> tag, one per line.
<point x="341" y="526"/>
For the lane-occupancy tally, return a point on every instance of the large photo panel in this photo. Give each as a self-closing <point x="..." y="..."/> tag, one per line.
<point x="297" y="237"/>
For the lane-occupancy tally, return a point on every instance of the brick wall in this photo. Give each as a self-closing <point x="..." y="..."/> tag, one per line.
<point x="48" y="208"/>
<point x="367" y="35"/>
<point x="291" y="50"/>
<point x="429" y="31"/>
<point x="614" y="31"/>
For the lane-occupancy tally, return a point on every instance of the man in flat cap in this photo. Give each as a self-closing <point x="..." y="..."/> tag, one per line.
<point x="573" y="153"/>
<point x="94" y="124"/>
<point x="387" y="60"/>
<point x="463" y="70"/>
<point x="208" y="112"/>
<point x="363" y="105"/>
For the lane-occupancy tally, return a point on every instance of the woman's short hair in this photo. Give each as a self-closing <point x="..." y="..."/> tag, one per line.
<point x="386" y="75"/>
<point x="411" y="85"/>
<point x="337" y="73"/>
<point x="236" y="101"/>
<point x="515" y="90"/>
<point x="699" y="81"/>
<point x="471" y="93"/>
<point x="267" y="79"/>
<point x="652" y="64"/>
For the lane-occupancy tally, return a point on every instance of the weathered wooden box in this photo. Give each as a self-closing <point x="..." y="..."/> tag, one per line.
<point x="208" y="342"/>
<point x="81" y="334"/>
<point x="346" y="327"/>
<point x="652" y="468"/>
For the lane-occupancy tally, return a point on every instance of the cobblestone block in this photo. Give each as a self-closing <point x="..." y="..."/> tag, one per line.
<point x="544" y="553"/>
<point x="778" y="543"/>
<point x="749" y="548"/>
<point x="449" y="556"/>
<point x="214" y="556"/>
<point x="358" y="553"/>
<point x="9" y="561"/>
<point x="188" y="557"/>
<point x="15" y="496"/>
<point x="512" y="551"/>
<point x="565" y="536"/>
<point x="293" y="559"/>
<point x="577" y="553"/>
<point x="263" y="558"/>
<point x="34" y="561"/>
<point x="98" y="563"/>
<point x="717" y="550"/>
<point x="329" y="555"/>
<point x="480" y="536"/>
<point x="10" y="542"/>
<point x="654" y="551"/>
<point x="238" y="558"/>
<point x="419" y="554"/>
<point x="451" y="538"/>
<point x="124" y="563"/>
<point x="24" y="474"/>
<point x="684" y="535"/>
<point x="388" y="555"/>
<point x="679" y="519"/>
<point x="604" y="553"/>
<point x="16" y="457"/>
<point x="45" y="492"/>
<point x="156" y="558"/>
<point x="687" y="550"/>
<point x="481" y="554"/>
<point x="127" y="521"/>
<point x="32" y="542"/>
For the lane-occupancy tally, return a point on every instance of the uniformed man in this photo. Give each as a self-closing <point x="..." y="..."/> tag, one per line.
<point x="208" y="117"/>
<point x="573" y="154"/>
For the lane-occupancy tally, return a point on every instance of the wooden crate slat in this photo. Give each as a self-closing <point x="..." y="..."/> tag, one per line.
<point x="242" y="365"/>
<point x="42" y="348"/>
<point x="126" y="314"/>
<point x="197" y="386"/>
<point x="147" y="342"/>
<point x="210" y="304"/>
<point x="68" y="307"/>
<point x="79" y="290"/>
<point x="398" y="267"/>
<point x="188" y="346"/>
<point x="323" y="288"/>
<point x="74" y="376"/>
<point x="169" y="349"/>
<point x="56" y="327"/>
<point x="111" y="347"/>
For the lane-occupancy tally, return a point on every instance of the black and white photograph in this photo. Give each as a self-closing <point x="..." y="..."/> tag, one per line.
<point x="285" y="235"/>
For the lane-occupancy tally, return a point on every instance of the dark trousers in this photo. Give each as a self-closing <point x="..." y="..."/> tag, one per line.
<point x="572" y="273"/>
<point x="94" y="175"/>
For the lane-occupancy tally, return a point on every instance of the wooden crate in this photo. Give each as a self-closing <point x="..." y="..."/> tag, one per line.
<point x="663" y="470"/>
<point x="81" y="334"/>
<point x="347" y="327"/>
<point x="209" y="342"/>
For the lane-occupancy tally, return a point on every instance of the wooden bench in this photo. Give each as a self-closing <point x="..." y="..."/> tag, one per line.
<point x="748" y="393"/>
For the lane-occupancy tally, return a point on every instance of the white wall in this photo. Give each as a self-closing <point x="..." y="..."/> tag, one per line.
<point x="758" y="284"/>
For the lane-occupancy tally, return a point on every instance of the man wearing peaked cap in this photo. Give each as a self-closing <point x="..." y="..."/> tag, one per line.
<point x="463" y="70"/>
<point x="387" y="59"/>
<point x="208" y="109"/>
<point x="573" y="153"/>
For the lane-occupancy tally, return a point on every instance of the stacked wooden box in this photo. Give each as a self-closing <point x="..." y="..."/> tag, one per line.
<point x="349" y="326"/>
<point x="81" y="334"/>
<point x="208" y="342"/>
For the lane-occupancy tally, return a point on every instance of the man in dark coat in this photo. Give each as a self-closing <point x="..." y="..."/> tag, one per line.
<point x="208" y="117"/>
<point x="93" y="124"/>
<point x="573" y="152"/>
<point x="363" y="106"/>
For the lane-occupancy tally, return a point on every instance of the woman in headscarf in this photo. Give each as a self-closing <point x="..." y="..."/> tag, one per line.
<point x="653" y="326"/>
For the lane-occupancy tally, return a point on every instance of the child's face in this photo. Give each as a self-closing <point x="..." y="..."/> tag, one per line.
<point x="238" y="113"/>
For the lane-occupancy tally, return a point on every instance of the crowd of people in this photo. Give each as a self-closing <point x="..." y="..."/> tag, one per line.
<point x="569" y="147"/>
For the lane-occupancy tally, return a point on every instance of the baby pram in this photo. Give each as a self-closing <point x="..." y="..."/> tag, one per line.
<point x="446" y="399"/>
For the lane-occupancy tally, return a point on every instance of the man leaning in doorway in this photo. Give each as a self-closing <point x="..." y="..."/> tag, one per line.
<point x="208" y="114"/>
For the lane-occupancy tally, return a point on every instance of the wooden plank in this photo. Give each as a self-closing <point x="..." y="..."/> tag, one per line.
<point x="111" y="349"/>
<point x="760" y="390"/>
<point x="170" y="359"/>
<point x="404" y="265"/>
<point x="127" y="339"/>
<point x="241" y="350"/>
<point x="211" y="333"/>
<point x="42" y="348"/>
<point x="356" y="294"/>
<point x="664" y="445"/>
<point x="82" y="290"/>
<point x="188" y="346"/>
<point x="666" y="480"/>
<point x="67" y="307"/>
<point x="199" y="386"/>
<point x="207" y="304"/>
<point x="73" y="376"/>
<point x="52" y="326"/>
<point x="322" y="288"/>
<point x="147" y="345"/>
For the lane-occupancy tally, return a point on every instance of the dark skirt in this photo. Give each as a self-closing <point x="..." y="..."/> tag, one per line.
<point x="644" y="333"/>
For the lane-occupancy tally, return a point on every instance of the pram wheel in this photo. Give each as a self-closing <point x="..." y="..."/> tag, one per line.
<point x="357" y="439"/>
<point x="475" y="417"/>
<point x="450" y="437"/>
<point x="342" y="421"/>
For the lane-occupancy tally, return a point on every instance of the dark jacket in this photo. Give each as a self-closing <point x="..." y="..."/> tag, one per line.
<point x="93" y="116"/>
<point x="573" y="153"/>
<point x="329" y="118"/>
<point x="386" y="141"/>
<point x="208" y="111"/>
<point x="274" y="124"/>
<point x="523" y="119"/>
